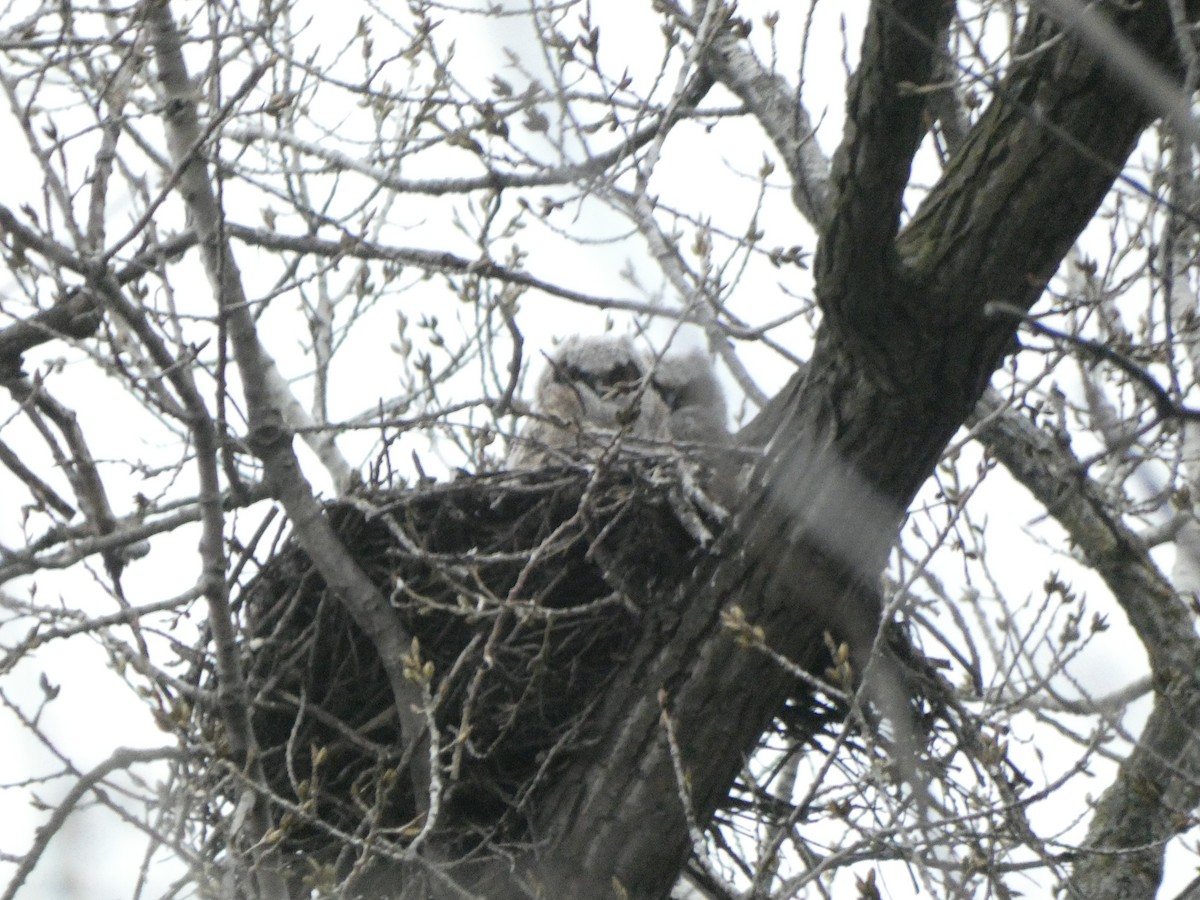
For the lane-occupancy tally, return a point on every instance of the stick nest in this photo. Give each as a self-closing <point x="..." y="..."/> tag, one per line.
<point x="525" y="592"/>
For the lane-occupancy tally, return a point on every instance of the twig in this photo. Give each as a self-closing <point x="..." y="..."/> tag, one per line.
<point x="121" y="759"/>
<point x="1164" y="404"/>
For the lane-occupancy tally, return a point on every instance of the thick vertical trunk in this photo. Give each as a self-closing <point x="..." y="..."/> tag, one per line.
<point x="906" y="350"/>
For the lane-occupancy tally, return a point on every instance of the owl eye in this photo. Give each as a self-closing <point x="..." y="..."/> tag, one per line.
<point x="567" y="374"/>
<point x="625" y="376"/>
<point x="619" y="379"/>
<point x="673" y="397"/>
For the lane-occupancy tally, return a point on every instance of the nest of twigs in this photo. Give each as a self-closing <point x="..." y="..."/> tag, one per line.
<point x="525" y="592"/>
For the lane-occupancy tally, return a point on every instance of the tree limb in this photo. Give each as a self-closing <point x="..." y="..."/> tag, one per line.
<point x="123" y="758"/>
<point x="900" y="368"/>
<point x="1012" y="200"/>
<point x="777" y="107"/>
<point x="885" y="123"/>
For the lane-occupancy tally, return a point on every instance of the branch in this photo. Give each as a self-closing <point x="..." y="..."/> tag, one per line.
<point x="885" y="123"/>
<point x="493" y="180"/>
<point x="41" y="491"/>
<point x="1014" y="197"/>
<point x="120" y="759"/>
<point x="126" y="616"/>
<point x="432" y="261"/>
<point x="1134" y="818"/>
<point x="1128" y="62"/>
<point x="777" y="107"/>
<point x="79" y="466"/>
<point x="75" y="315"/>
<point x="1166" y="406"/>
<point x="125" y="535"/>
<point x="1055" y="477"/>
<point x="268" y="438"/>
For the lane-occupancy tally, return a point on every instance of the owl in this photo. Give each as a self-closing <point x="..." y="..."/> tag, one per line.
<point x="597" y="387"/>
<point x="689" y="390"/>
<point x="700" y="441"/>
<point x="593" y="389"/>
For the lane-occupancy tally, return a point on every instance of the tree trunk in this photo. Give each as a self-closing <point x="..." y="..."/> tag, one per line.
<point x="905" y="352"/>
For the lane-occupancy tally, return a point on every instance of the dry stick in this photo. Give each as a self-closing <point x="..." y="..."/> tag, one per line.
<point x="121" y="759"/>
<point x="82" y="542"/>
<point x="90" y="624"/>
<point x="233" y="697"/>
<point x="42" y="492"/>
<point x="267" y="436"/>
<point x="1166" y="406"/>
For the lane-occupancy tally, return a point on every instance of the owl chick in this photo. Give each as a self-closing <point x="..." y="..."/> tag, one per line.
<point x="592" y="389"/>
<point x="688" y="386"/>
<point x="709" y="470"/>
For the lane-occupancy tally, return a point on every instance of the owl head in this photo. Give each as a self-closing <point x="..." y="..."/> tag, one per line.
<point x="593" y="389"/>
<point x="695" y="403"/>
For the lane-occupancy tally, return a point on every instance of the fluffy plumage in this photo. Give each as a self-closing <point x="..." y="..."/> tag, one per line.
<point x="597" y="388"/>
<point x="592" y="390"/>
<point x="689" y="389"/>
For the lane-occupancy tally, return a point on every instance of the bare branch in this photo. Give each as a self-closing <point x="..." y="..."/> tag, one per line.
<point x="268" y="437"/>
<point x="89" y="781"/>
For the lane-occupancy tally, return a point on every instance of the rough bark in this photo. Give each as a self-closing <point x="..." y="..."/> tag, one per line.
<point x="1134" y="818"/>
<point x="905" y="352"/>
<point x="1135" y="823"/>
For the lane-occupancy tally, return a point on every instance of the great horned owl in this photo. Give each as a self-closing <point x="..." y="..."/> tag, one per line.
<point x="696" y="426"/>
<point x="593" y="389"/>
<point x="600" y="390"/>
<point x="597" y="387"/>
<point x="688" y="386"/>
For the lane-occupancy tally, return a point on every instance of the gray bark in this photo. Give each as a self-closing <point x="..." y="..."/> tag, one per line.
<point x="905" y="352"/>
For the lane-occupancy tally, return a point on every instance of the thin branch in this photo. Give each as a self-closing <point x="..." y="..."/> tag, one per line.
<point x="268" y="437"/>
<point x="1166" y="406"/>
<point x="777" y="107"/>
<point x="595" y="166"/>
<point x="121" y="759"/>
<point x="42" y="492"/>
